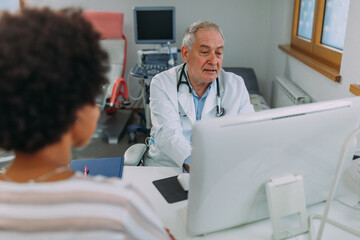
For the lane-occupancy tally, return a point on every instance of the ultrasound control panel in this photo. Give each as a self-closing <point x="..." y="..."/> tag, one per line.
<point x="147" y="70"/>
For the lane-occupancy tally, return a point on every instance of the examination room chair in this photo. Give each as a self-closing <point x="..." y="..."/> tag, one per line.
<point x="112" y="121"/>
<point x="133" y="156"/>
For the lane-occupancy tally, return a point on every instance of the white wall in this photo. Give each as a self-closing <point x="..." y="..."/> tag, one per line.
<point x="350" y="69"/>
<point x="9" y="5"/>
<point x="280" y="23"/>
<point x="244" y="23"/>
<point x="253" y="30"/>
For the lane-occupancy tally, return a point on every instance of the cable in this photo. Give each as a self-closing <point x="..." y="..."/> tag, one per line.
<point x="336" y="224"/>
<point x="295" y="236"/>
<point x="324" y="217"/>
<point x="356" y="207"/>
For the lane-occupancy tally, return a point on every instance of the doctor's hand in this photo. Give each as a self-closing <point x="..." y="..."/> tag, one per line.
<point x="186" y="167"/>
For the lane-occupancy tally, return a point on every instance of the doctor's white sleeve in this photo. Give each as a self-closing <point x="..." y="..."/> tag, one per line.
<point x="167" y="128"/>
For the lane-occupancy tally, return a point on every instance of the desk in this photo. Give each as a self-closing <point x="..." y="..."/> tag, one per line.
<point x="174" y="215"/>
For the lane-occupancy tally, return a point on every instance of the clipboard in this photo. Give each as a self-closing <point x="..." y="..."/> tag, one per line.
<point x="109" y="167"/>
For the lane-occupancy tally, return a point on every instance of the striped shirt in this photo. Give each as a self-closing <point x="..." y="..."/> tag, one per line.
<point x="81" y="207"/>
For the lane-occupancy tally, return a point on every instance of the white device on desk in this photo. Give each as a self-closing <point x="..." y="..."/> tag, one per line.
<point x="233" y="157"/>
<point x="184" y="180"/>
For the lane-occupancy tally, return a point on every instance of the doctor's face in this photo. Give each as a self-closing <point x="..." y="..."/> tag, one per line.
<point x="205" y="58"/>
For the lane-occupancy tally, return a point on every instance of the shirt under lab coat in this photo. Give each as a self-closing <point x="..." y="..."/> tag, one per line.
<point x="173" y="113"/>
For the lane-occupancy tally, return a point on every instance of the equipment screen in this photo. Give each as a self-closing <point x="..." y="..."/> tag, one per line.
<point x="154" y="25"/>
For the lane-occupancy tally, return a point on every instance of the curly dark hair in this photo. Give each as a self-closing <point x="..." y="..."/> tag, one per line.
<point x="51" y="65"/>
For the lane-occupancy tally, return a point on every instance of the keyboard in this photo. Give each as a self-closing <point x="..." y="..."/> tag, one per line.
<point x="147" y="70"/>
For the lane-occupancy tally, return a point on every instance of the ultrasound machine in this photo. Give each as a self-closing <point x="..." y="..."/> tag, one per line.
<point x="152" y="25"/>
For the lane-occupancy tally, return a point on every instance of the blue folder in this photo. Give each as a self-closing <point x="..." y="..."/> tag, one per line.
<point x="109" y="167"/>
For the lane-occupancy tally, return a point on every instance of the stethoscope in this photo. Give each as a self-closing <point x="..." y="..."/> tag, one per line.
<point x="220" y="111"/>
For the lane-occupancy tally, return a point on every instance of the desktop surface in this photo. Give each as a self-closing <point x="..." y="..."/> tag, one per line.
<point x="174" y="215"/>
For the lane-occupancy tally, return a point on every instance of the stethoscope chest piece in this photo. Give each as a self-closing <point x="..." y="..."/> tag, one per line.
<point x="220" y="112"/>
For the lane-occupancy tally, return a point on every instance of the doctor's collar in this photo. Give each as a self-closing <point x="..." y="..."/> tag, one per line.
<point x="189" y="84"/>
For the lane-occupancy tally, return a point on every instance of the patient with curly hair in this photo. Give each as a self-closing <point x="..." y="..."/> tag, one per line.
<point x="51" y="70"/>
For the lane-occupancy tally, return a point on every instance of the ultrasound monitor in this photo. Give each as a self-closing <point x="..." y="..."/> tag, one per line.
<point x="154" y="25"/>
<point x="233" y="157"/>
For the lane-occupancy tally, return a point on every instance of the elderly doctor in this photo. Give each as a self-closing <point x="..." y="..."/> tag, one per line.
<point x="197" y="89"/>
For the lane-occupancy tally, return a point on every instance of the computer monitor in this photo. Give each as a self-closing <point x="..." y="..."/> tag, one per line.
<point x="154" y="25"/>
<point x="233" y="157"/>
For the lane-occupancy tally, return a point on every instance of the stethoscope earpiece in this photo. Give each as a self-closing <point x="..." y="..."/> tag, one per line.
<point x="220" y="111"/>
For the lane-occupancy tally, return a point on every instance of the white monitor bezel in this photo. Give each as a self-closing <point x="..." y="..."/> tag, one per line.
<point x="201" y="218"/>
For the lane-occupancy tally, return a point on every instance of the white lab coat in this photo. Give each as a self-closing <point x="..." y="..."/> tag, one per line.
<point x="173" y="113"/>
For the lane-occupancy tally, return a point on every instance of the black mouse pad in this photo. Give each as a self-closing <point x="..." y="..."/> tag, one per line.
<point x="170" y="189"/>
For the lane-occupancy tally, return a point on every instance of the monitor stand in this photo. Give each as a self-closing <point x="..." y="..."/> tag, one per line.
<point x="111" y="127"/>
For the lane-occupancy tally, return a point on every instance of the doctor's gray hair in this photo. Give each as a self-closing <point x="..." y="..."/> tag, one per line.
<point x="189" y="35"/>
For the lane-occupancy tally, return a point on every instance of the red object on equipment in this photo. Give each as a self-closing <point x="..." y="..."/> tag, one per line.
<point x="119" y="85"/>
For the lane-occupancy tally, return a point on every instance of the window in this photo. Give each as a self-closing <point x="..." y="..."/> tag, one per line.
<point x="318" y="33"/>
<point x="11" y="5"/>
<point x="22" y="4"/>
